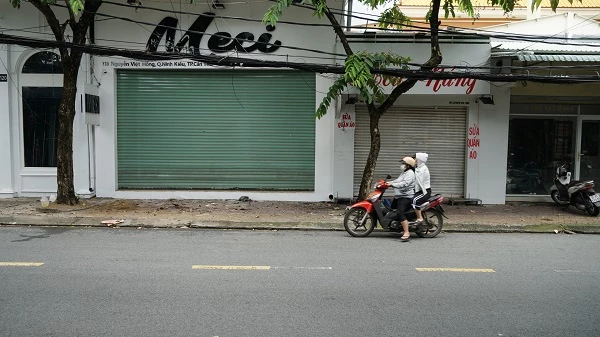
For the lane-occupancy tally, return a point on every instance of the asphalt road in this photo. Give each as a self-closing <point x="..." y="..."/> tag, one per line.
<point x="127" y="282"/>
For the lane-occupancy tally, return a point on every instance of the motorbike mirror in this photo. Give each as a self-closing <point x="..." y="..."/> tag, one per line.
<point x="388" y="177"/>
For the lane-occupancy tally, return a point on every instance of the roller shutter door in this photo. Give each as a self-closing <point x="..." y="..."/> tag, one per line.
<point x="215" y="129"/>
<point x="440" y="132"/>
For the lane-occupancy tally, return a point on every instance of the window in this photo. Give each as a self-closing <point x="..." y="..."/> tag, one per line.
<point x="44" y="62"/>
<point x="40" y="102"/>
<point x="536" y="146"/>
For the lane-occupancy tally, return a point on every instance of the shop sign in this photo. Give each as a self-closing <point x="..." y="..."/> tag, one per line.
<point x="465" y="86"/>
<point x="3" y="77"/>
<point x="473" y="141"/>
<point x="346" y="122"/>
<point x="219" y="42"/>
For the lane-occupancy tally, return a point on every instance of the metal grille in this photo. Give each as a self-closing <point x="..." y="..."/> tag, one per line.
<point x="440" y="132"/>
<point x="216" y="129"/>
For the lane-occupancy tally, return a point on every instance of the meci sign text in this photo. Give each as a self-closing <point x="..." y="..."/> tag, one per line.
<point x="219" y="42"/>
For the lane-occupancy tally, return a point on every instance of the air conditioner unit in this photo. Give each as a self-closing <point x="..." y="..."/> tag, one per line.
<point x="501" y="65"/>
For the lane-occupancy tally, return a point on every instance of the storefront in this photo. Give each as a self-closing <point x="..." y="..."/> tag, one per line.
<point x="545" y="133"/>
<point x="445" y="118"/>
<point x="550" y="124"/>
<point x="183" y="129"/>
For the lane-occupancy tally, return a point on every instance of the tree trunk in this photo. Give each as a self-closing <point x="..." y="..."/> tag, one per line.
<point x="375" y="113"/>
<point x="66" y="116"/>
<point x="369" y="171"/>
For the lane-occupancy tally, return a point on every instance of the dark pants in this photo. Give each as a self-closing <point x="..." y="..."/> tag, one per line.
<point x="420" y="198"/>
<point x="401" y="205"/>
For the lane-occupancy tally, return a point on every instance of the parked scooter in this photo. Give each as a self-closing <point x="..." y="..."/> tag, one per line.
<point x="524" y="180"/>
<point x="580" y="194"/>
<point x="362" y="217"/>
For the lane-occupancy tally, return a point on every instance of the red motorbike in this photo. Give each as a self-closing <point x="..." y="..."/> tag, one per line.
<point x="362" y="217"/>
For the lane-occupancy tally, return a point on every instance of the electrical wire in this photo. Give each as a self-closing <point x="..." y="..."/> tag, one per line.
<point x="228" y="61"/>
<point x="298" y="48"/>
<point x="415" y="28"/>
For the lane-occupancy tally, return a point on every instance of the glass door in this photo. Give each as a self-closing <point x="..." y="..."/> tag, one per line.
<point x="589" y="156"/>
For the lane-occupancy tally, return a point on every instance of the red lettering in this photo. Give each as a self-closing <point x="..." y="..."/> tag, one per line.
<point x="470" y="85"/>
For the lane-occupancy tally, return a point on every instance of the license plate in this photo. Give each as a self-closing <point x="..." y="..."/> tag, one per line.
<point x="595" y="197"/>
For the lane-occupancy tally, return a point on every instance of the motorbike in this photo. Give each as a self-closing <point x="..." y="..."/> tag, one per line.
<point x="580" y="194"/>
<point x="362" y="217"/>
<point x="523" y="180"/>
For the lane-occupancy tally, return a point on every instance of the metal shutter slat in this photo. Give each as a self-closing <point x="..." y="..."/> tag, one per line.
<point x="441" y="132"/>
<point x="215" y="129"/>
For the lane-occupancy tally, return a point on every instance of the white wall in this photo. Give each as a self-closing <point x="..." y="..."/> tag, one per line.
<point x="14" y="177"/>
<point x="485" y="176"/>
<point x="487" y="173"/>
<point x="6" y="172"/>
<point x="137" y="36"/>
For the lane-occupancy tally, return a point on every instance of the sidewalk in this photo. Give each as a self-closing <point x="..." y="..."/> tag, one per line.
<point x="268" y="215"/>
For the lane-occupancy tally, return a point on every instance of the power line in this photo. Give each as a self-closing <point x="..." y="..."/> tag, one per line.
<point x="229" y="61"/>
<point x="112" y="17"/>
<point x="302" y="57"/>
<point x="513" y="36"/>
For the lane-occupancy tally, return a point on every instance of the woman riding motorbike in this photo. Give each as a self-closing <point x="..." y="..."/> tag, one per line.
<point x="404" y="187"/>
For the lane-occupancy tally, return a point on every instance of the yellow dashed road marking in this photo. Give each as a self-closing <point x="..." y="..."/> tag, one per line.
<point x="232" y="267"/>
<point x="20" y="264"/>
<point x="459" y="270"/>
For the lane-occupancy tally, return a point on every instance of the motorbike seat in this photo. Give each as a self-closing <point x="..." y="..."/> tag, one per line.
<point x="575" y="182"/>
<point x="434" y="197"/>
<point x="430" y="200"/>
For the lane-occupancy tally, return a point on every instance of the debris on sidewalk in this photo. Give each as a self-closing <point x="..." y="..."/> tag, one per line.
<point x="110" y="223"/>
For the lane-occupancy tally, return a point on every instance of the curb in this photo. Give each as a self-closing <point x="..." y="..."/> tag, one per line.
<point x="36" y="221"/>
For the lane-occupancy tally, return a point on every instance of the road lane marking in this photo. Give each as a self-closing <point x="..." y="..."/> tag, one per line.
<point x="197" y="266"/>
<point x="459" y="270"/>
<point x="306" y="268"/>
<point x="21" y="264"/>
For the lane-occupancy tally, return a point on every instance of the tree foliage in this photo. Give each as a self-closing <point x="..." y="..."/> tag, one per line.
<point x="358" y="66"/>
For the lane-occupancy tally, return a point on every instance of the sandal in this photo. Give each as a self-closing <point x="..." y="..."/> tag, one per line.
<point x="405" y="238"/>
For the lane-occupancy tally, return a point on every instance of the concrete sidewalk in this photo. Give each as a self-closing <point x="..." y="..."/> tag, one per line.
<point x="267" y="215"/>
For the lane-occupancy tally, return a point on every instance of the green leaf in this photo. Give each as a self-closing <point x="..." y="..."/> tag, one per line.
<point x="275" y="12"/>
<point x="374" y="3"/>
<point x="76" y="5"/>
<point x="507" y="5"/>
<point x="336" y="89"/>
<point x="394" y="18"/>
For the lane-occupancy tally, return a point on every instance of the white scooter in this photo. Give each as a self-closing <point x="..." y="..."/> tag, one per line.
<point x="580" y="194"/>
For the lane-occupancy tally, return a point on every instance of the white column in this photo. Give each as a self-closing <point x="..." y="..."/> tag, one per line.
<point x="81" y="143"/>
<point x="6" y="171"/>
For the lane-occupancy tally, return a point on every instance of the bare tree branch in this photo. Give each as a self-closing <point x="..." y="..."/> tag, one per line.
<point x="55" y="26"/>
<point x="72" y="21"/>
<point x="338" y="31"/>
<point x="393" y="96"/>
<point x="87" y="17"/>
<point x="63" y="27"/>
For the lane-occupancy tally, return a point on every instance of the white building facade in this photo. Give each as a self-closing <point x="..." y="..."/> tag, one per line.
<point x="179" y="128"/>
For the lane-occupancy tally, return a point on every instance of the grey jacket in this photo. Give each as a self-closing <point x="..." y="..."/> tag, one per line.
<point x="404" y="185"/>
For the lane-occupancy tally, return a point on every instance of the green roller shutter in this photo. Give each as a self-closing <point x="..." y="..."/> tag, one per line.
<point x="215" y="129"/>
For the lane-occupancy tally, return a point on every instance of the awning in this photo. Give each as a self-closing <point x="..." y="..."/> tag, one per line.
<point x="559" y="58"/>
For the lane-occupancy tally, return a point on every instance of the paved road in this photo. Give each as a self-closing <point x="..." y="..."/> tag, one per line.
<point x="127" y="282"/>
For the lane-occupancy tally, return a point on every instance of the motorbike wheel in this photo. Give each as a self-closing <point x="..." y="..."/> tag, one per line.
<point x="353" y="225"/>
<point x="592" y="209"/>
<point x="432" y="224"/>
<point x="527" y="186"/>
<point x="556" y="197"/>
